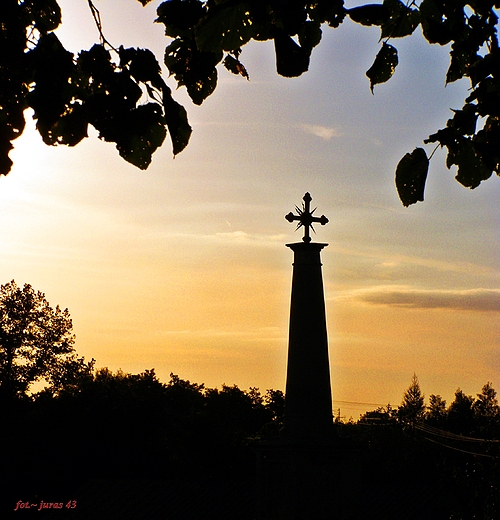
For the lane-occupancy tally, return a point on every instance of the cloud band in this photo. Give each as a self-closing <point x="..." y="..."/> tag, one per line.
<point x="467" y="300"/>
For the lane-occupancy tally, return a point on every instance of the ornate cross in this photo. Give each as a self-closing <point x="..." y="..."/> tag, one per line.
<point x="305" y="217"/>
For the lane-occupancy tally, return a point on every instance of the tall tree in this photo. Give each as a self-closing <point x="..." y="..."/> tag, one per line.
<point x="486" y="410"/>
<point x="461" y="413"/>
<point x="436" y="411"/>
<point x="103" y="86"/>
<point x="36" y="340"/>
<point x="486" y="404"/>
<point x="275" y="402"/>
<point x="412" y="408"/>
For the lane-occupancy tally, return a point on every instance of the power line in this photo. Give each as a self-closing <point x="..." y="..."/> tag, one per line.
<point x="452" y="436"/>
<point x="458" y="449"/>
<point x="449" y="436"/>
<point x="360" y="404"/>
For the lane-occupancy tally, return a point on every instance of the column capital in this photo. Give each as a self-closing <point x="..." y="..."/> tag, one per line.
<point x="306" y="246"/>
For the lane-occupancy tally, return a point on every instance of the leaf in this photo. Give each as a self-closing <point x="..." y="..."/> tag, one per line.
<point x="332" y="12"/>
<point x="464" y="121"/>
<point x="5" y="160"/>
<point x="370" y="14"/>
<point x="434" y="25"/>
<point x="411" y="174"/>
<point x="70" y="129"/>
<point x="288" y="16"/>
<point x="235" y="66"/>
<point x="471" y="169"/>
<point x="12" y="108"/>
<point x="227" y="30"/>
<point x="192" y="68"/>
<point x="11" y="126"/>
<point x="486" y="144"/>
<point x="487" y="94"/>
<point x="177" y="122"/>
<point x="142" y="64"/>
<point x="291" y="59"/>
<point x="463" y="57"/>
<point x="384" y="65"/>
<point x="179" y="16"/>
<point x="96" y="62"/>
<point x="310" y="35"/>
<point x="402" y="20"/>
<point x="141" y="132"/>
<point x="45" y="14"/>
<point x="53" y="66"/>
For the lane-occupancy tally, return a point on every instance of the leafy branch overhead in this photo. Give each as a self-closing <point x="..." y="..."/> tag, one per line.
<point x="67" y="93"/>
<point x="122" y="94"/>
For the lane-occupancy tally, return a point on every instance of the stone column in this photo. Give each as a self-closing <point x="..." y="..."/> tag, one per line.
<point x="308" y="408"/>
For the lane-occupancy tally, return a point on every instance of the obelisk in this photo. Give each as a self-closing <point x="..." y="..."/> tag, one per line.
<point x="308" y="403"/>
<point x="296" y="471"/>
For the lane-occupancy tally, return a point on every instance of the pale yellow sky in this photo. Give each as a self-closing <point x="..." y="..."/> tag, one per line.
<point x="183" y="267"/>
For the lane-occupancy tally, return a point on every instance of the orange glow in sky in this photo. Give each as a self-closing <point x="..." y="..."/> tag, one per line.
<point x="184" y="267"/>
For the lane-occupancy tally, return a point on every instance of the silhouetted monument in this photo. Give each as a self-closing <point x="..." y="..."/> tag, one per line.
<point x="308" y="408"/>
<point x="295" y="471"/>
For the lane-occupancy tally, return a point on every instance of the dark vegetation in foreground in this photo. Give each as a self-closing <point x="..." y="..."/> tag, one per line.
<point x="117" y="426"/>
<point x="93" y="444"/>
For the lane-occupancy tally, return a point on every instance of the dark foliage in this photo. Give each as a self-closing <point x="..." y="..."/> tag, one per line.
<point x="128" y="428"/>
<point x="88" y="426"/>
<point x="455" y="449"/>
<point x="36" y="342"/>
<point x="125" y="426"/>
<point x="68" y="93"/>
<point x="122" y="94"/>
<point x="412" y="408"/>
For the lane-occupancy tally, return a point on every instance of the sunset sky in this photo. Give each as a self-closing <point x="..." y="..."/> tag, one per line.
<point x="184" y="268"/>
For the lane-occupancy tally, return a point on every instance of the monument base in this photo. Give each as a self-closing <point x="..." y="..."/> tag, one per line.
<point x="296" y="480"/>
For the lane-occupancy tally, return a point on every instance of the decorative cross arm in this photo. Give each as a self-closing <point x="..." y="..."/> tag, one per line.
<point x="305" y="217"/>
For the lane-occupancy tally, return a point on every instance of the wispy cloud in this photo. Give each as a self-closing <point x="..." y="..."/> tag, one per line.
<point x="234" y="237"/>
<point x="467" y="300"/>
<point x="384" y="262"/>
<point x="323" y="132"/>
<point x="253" y="334"/>
<point x="242" y="236"/>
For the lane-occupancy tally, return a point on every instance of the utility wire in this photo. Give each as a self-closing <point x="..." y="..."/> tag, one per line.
<point x="361" y="404"/>
<point x="453" y="436"/>
<point x="463" y="451"/>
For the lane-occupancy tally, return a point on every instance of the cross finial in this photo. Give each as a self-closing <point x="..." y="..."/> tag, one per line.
<point x="305" y="217"/>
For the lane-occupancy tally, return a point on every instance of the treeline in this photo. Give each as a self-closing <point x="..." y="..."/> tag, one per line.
<point x="466" y="415"/>
<point x="118" y="425"/>
<point x="435" y="461"/>
<point x="446" y="457"/>
<point x="109" y="424"/>
<point x="99" y="424"/>
<point x="105" y="426"/>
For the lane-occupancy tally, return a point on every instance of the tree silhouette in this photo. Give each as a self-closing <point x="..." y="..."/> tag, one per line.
<point x="236" y="413"/>
<point x="275" y="402"/>
<point x="487" y="411"/>
<point x="461" y="413"/>
<point x="121" y="427"/>
<point x="103" y="86"/>
<point x="380" y="416"/>
<point x="36" y="342"/>
<point x="436" y="411"/>
<point x="486" y="404"/>
<point x="412" y="408"/>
